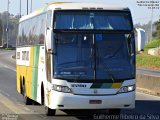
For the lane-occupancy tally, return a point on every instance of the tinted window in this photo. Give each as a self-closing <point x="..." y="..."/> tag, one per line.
<point x="92" y="20"/>
<point x="32" y="31"/>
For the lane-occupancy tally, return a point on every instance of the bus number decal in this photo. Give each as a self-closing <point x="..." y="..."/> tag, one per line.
<point x="18" y="55"/>
<point x="25" y="55"/>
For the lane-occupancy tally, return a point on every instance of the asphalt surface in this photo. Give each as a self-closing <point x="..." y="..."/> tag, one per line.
<point x="148" y="72"/>
<point x="11" y="102"/>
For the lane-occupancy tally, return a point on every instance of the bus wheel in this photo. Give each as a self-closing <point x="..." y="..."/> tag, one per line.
<point x="50" y="112"/>
<point x="27" y="100"/>
<point x="114" y="111"/>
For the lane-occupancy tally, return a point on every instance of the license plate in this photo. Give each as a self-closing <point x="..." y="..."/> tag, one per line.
<point x="95" y="102"/>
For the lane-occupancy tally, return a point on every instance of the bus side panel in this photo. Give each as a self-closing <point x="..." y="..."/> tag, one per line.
<point x="20" y="68"/>
<point x="29" y="73"/>
<point x="35" y="66"/>
<point x="18" y="78"/>
<point x="41" y="72"/>
<point x="22" y="73"/>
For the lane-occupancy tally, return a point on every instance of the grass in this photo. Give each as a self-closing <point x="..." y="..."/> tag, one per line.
<point x="7" y="48"/>
<point x="144" y="60"/>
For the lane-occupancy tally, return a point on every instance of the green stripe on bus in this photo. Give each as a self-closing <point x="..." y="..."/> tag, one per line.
<point x="96" y="85"/>
<point x="35" y="71"/>
<point x="101" y="85"/>
<point x="106" y="85"/>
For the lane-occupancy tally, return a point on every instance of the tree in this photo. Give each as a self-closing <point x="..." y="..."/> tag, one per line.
<point x="12" y="25"/>
<point x="156" y="33"/>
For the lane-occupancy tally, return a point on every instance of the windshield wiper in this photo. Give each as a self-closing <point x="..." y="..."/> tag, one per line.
<point x="107" y="68"/>
<point x="116" y="51"/>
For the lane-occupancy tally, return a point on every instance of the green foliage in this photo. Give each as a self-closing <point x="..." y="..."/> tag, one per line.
<point x="153" y="44"/>
<point x="156" y="33"/>
<point x="148" y="61"/>
<point x="10" y="48"/>
<point x="7" y="48"/>
<point x="13" y="27"/>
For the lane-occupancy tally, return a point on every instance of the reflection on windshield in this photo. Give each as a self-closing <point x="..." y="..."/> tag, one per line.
<point x="113" y="57"/>
<point x="75" y="56"/>
<point x="92" y="20"/>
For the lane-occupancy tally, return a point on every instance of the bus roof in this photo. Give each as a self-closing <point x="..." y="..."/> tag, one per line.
<point x="79" y="6"/>
<point x="74" y="6"/>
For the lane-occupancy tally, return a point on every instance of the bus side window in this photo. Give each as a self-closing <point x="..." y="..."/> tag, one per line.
<point x="42" y="22"/>
<point x="19" y="38"/>
<point x="49" y="17"/>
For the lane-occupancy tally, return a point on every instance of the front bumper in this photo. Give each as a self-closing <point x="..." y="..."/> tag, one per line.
<point x="59" y="100"/>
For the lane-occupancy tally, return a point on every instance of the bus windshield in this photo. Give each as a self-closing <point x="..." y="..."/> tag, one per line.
<point x="102" y="20"/>
<point x="93" y="55"/>
<point x="78" y="57"/>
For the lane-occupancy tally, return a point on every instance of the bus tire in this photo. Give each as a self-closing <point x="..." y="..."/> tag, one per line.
<point x="42" y="95"/>
<point x="114" y="111"/>
<point x="50" y="112"/>
<point x="21" y="86"/>
<point x="26" y="100"/>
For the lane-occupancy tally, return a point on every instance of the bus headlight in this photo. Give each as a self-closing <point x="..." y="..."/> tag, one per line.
<point x="125" y="89"/>
<point x="60" y="88"/>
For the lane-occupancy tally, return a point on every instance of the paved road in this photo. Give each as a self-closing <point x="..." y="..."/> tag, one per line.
<point x="147" y="106"/>
<point x="148" y="72"/>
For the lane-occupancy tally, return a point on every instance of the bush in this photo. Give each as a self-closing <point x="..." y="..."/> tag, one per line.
<point x="148" y="61"/>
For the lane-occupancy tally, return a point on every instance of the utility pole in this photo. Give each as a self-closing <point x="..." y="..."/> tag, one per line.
<point x="151" y="24"/>
<point x="1" y="32"/>
<point x="20" y="9"/>
<point x="27" y="7"/>
<point x="7" y="29"/>
<point x="31" y="7"/>
<point x="3" y="36"/>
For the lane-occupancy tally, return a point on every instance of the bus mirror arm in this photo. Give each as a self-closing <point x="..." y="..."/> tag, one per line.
<point x="48" y="28"/>
<point x="50" y="51"/>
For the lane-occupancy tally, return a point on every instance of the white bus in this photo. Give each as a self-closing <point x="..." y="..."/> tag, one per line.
<point x="77" y="56"/>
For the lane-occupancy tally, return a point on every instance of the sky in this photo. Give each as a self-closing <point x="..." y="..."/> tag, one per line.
<point x="140" y="15"/>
